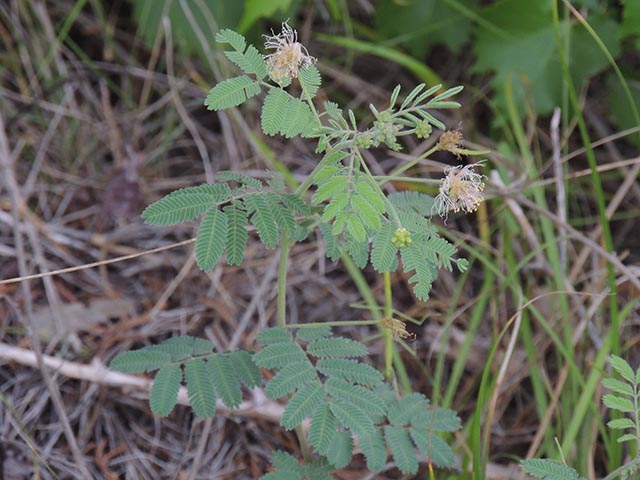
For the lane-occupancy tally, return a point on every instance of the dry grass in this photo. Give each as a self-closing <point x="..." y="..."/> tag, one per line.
<point x="89" y="136"/>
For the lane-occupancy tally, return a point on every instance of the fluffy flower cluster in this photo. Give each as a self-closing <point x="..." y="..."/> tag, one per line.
<point x="283" y="65"/>
<point x="461" y="189"/>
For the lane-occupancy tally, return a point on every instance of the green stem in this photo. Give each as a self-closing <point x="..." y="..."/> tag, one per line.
<point x="388" y="338"/>
<point x="338" y="323"/>
<point x="393" y="175"/>
<point x="282" y="281"/>
<point x="304" y="446"/>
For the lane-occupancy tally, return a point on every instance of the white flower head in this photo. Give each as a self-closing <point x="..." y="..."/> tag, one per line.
<point x="461" y="189"/>
<point x="284" y="64"/>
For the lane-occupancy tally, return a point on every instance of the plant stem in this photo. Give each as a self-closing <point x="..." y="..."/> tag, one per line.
<point x="285" y="244"/>
<point x="339" y="323"/>
<point x="388" y="338"/>
<point x="410" y="164"/>
<point x="304" y="446"/>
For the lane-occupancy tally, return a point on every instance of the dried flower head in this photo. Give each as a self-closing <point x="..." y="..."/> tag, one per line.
<point x="290" y="55"/>
<point x="451" y="141"/>
<point x="398" y="328"/>
<point x="461" y="189"/>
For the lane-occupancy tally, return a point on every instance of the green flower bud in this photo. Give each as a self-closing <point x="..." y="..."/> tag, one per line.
<point x="401" y="237"/>
<point x="423" y="129"/>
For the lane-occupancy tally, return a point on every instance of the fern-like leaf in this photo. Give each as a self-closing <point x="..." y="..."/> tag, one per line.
<point x="336" y="347"/>
<point x="231" y="93"/>
<point x="233" y="38"/>
<point x="352" y="417"/>
<point x="313" y="333"/>
<point x="164" y="391"/>
<point x="439" y="419"/>
<point x="183" y="347"/>
<point x="549" y="469"/>
<point x="340" y="451"/>
<point x="356" y="395"/>
<point x="219" y="192"/>
<point x="281" y="214"/>
<point x="413" y="202"/>
<point x="278" y="355"/>
<point x="274" y="335"/>
<point x="224" y="381"/>
<point x="211" y="239"/>
<point x="302" y="404"/>
<point x="241" y="178"/>
<point x="350" y="370"/>
<point x="310" y="80"/>
<point x="250" y="61"/>
<point x="174" y="209"/>
<point x="435" y="448"/>
<point x="138" y="361"/>
<point x="401" y="449"/>
<point x="283" y="114"/>
<point x="244" y="369"/>
<point x="262" y="218"/>
<point x="414" y="257"/>
<point x="200" y="388"/>
<point x="372" y="195"/>
<point x="374" y="450"/>
<point x="330" y="242"/>
<point x="237" y="234"/>
<point x="402" y="411"/>
<point x="290" y="378"/>
<point x="383" y="252"/>
<point x="359" y="252"/>
<point x="323" y="429"/>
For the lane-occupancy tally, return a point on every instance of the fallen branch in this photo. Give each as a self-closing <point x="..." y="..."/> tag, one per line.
<point x="97" y="372"/>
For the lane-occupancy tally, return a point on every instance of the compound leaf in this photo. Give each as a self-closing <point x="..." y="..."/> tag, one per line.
<point x="549" y="469"/>
<point x="174" y="209"/>
<point x="231" y="37"/>
<point x="290" y="378"/>
<point x="401" y="448"/>
<point x="138" y="361"/>
<point x="350" y="370"/>
<point x="402" y="411"/>
<point x="241" y="178"/>
<point x="351" y="416"/>
<point x="313" y="333"/>
<point x="374" y="449"/>
<point x="302" y="404"/>
<point x="340" y="451"/>
<point x="250" y="61"/>
<point x="323" y="429"/>
<point x="244" y="369"/>
<point x="164" y="391"/>
<point x="183" y="347"/>
<point x="414" y="257"/>
<point x="200" y="387"/>
<point x="284" y="114"/>
<point x="262" y="218"/>
<point x="231" y="93"/>
<point x="356" y="395"/>
<point x="310" y="80"/>
<point x="237" y="234"/>
<point x="435" y="448"/>
<point x="383" y="251"/>
<point x="336" y="347"/>
<point x="274" y="335"/>
<point x="278" y="355"/>
<point x="211" y="239"/>
<point x="224" y="381"/>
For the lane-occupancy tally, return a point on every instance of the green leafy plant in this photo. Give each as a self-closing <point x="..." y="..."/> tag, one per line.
<point x="624" y="399"/>
<point x="321" y="377"/>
